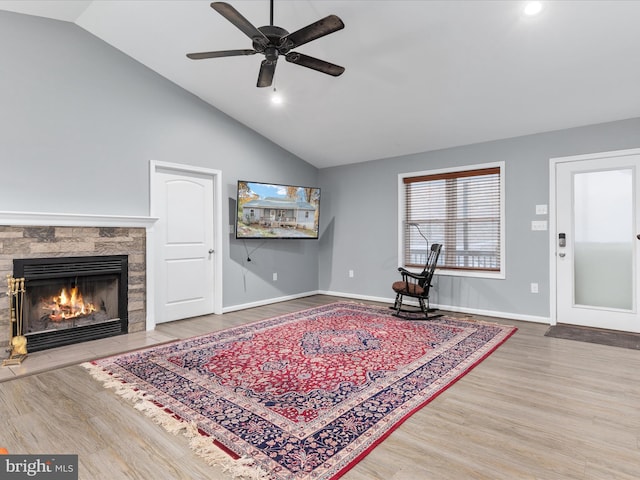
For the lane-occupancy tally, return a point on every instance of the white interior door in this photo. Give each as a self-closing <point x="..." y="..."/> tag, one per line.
<point x="596" y="241"/>
<point x="183" y="202"/>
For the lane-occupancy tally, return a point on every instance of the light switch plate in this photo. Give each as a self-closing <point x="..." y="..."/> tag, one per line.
<point x="541" y="210"/>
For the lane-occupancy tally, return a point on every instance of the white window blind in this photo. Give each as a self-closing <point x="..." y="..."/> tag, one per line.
<point x="460" y="210"/>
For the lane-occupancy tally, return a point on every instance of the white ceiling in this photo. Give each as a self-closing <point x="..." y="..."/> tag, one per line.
<point x="420" y="75"/>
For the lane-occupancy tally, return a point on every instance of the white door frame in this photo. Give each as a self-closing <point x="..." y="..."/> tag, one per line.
<point x="553" y="244"/>
<point x="154" y="166"/>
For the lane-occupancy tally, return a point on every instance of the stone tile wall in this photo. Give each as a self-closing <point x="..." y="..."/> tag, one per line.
<point x="42" y="242"/>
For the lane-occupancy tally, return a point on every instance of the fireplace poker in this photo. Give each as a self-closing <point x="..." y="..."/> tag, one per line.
<point x="12" y="311"/>
<point x="20" y="308"/>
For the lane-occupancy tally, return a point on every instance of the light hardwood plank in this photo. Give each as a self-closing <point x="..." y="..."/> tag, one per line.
<point x="537" y="408"/>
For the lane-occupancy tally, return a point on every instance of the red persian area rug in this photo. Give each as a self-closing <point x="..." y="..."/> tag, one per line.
<point x="301" y="396"/>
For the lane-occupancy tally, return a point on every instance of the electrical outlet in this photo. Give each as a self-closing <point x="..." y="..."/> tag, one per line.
<point x="539" y="225"/>
<point x="350" y="273"/>
<point x="275" y="276"/>
<point x="534" y="288"/>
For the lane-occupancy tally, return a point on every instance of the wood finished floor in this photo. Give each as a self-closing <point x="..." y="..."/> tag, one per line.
<point x="537" y="408"/>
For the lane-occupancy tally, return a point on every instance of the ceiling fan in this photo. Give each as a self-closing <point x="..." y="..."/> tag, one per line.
<point x="273" y="41"/>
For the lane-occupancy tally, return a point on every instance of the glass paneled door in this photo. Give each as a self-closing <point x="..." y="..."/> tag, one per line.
<point x="596" y="243"/>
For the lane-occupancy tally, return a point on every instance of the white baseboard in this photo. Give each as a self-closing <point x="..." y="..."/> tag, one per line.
<point x="268" y="301"/>
<point x="491" y="313"/>
<point x="356" y="296"/>
<point x="389" y="300"/>
<point x="448" y="308"/>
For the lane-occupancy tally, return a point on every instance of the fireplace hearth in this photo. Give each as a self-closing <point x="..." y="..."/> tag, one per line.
<point x="73" y="299"/>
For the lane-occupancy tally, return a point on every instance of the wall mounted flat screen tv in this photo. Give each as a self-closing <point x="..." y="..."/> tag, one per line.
<point x="268" y="210"/>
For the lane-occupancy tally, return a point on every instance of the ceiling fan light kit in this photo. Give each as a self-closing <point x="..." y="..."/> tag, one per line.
<point x="273" y="41"/>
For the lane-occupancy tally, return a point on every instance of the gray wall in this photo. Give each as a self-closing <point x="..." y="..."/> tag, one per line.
<point x="360" y="218"/>
<point x="80" y="121"/>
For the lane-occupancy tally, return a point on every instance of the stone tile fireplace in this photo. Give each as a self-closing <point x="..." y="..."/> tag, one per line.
<point x="103" y="265"/>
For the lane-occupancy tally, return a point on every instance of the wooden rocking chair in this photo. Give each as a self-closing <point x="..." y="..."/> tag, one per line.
<point x="416" y="286"/>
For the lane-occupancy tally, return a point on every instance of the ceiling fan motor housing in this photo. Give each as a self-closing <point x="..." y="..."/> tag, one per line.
<point x="275" y="46"/>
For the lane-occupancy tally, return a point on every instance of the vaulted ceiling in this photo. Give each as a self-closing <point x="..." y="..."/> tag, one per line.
<point x="420" y="75"/>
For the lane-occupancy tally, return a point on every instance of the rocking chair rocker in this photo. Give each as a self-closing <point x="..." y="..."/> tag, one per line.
<point x="416" y="286"/>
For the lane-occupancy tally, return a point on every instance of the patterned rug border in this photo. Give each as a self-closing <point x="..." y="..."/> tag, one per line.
<point x="215" y="453"/>
<point x="212" y="452"/>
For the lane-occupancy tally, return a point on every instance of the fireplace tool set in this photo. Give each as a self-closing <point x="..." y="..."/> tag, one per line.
<point x="17" y="342"/>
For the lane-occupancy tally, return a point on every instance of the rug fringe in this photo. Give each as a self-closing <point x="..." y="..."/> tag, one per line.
<point x="202" y="445"/>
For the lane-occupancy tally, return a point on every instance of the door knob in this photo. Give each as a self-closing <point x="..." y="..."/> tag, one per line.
<point x="561" y="255"/>
<point x="211" y="250"/>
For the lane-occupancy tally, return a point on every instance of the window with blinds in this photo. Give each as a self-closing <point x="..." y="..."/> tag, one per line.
<point x="460" y="209"/>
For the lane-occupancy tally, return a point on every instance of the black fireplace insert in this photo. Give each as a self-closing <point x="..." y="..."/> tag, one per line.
<point x="70" y="300"/>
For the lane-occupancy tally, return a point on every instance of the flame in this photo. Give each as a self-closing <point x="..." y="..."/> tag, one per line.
<point x="69" y="304"/>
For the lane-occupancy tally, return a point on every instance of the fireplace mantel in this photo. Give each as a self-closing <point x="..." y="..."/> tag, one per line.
<point x="45" y="219"/>
<point x="73" y="220"/>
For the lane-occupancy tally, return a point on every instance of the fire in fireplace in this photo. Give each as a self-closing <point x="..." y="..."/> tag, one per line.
<point x="73" y="299"/>
<point x="67" y="305"/>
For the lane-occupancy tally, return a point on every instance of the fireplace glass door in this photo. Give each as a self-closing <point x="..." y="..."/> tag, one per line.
<point x="70" y="302"/>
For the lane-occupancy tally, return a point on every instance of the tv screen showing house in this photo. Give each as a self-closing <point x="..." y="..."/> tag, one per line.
<point x="268" y="210"/>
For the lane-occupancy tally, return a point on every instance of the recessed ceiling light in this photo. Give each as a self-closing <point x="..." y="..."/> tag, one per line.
<point x="532" y="8"/>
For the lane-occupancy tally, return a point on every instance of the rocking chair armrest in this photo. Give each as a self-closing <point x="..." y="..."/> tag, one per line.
<point x="407" y="273"/>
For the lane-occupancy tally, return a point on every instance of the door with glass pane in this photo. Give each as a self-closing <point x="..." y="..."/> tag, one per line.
<point x="596" y="242"/>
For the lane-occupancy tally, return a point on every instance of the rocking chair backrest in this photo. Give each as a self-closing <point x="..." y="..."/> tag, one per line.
<point x="430" y="267"/>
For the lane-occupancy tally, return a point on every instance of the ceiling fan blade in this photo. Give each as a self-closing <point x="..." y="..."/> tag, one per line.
<point x="235" y="17"/>
<point x="318" y="29"/>
<point x="221" y="53"/>
<point x="314" y="64"/>
<point x="267" y="70"/>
